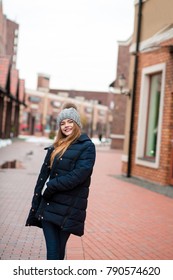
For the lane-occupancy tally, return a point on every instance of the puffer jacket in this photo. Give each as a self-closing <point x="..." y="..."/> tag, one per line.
<point x="64" y="201"/>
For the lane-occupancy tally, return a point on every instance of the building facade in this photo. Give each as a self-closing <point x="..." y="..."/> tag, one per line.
<point x="120" y="100"/>
<point x="12" y="88"/>
<point x="103" y="98"/>
<point x="148" y="149"/>
<point x="44" y="104"/>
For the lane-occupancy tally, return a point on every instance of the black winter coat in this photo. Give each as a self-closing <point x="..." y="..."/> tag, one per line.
<point x="64" y="201"/>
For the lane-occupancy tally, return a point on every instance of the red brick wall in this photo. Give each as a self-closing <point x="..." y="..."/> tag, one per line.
<point x="162" y="174"/>
<point x="11" y="43"/>
<point x="123" y="63"/>
<point x="3" y="31"/>
<point x="43" y="81"/>
<point x="118" y="122"/>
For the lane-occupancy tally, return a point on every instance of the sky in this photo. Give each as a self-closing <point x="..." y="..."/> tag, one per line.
<point x="72" y="41"/>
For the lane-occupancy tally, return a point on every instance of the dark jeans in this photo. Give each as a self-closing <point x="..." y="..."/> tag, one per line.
<point x="55" y="241"/>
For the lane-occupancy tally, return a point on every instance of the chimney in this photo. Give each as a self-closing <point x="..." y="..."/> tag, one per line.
<point x="43" y="82"/>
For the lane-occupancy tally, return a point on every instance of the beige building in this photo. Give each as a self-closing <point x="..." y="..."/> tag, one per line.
<point x="148" y="149"/>
<point x="43" y="106"/>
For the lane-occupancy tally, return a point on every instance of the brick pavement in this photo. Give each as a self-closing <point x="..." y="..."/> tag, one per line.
<point x="124" y="221"/>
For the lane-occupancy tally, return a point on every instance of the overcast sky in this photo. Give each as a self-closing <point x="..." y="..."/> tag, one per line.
<point x="73" y="41"/>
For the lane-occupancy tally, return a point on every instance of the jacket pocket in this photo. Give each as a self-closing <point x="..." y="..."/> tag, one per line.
<point x="39" y="213"/>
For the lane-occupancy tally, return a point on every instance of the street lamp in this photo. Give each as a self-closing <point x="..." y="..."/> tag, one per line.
<point x="122" y="84"/>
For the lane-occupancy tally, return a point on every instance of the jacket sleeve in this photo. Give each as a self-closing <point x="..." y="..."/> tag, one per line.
<point x="83" y="169"/>
<point x="43" y="175"/>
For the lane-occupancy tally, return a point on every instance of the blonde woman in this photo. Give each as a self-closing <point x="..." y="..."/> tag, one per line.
<point x="61" y="192"/>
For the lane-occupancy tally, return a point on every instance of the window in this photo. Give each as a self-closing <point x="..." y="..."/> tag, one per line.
<point x="88" y="110"/>
<point x="48" y="119"/>
<point x="24" y="123"/>
<point x="56" y="104"/>
<point x="153" y="116"/>
<point x="16" y="32"/>
<point x="15" y="49"/>
<point x="14" y="58"/>
<point x="34" y="99"/>
<point x="38" y="125"/>
<point x="15" y="41"/>
<point x="150" y="116"/>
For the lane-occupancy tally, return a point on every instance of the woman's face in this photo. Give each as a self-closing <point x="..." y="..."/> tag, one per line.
<point x="67" y="126"/>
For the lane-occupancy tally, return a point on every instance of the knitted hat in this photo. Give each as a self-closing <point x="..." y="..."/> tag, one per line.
<point x="69" y="113"/>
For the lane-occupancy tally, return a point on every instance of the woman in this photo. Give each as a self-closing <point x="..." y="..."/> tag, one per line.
<point x="59" y="204"/>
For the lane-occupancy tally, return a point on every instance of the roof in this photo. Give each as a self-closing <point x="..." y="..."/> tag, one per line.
<point x="112" y="84"/>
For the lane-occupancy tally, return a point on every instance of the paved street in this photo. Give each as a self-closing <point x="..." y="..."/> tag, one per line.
<point x="124" y="221"/>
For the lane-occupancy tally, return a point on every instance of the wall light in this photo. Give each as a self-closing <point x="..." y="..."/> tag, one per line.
<point x="122" y="84"/>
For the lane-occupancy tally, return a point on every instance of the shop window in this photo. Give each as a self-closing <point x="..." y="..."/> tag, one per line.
<point x="24" y="124"/>
<point x="38" y="125"/>
<point x="150" y="116"/>
<point x="48" y="122"/>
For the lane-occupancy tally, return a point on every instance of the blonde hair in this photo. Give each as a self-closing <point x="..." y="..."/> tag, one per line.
<point x="62" y="142"/>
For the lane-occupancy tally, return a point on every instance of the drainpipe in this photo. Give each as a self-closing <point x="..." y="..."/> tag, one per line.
<point x="134" y="88"/>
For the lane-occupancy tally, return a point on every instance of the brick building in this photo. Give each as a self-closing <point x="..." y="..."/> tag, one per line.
<point x="103" y="98"/>
<point x="148" y="151"/>
<point x="44" y="104"/>
<point x="11" y="86"/>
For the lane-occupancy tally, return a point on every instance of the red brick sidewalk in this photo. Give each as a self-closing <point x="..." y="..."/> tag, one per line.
<point x="124" y="221"/>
